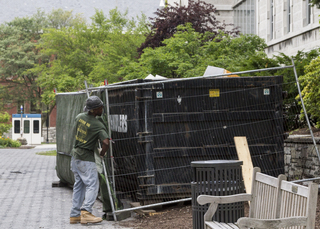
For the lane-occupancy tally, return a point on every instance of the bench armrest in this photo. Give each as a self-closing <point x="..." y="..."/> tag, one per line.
<point x="207" y="199"/>
<point x="245" y="222"/>
<point x="215" y="200"/>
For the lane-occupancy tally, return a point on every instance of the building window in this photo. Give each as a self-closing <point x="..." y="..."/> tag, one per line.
<point x="17" y="126"/>
<point x="33" y="107"/>
<point x="289" y="16"/>
<point x="36" y="126"/>
<point x="244" y="16"/>
<point x="271" y="19"/>
<point x="26" y="126"/>
<point x="308" y="12"/>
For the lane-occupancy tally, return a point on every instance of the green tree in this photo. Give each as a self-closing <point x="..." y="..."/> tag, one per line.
<point x="188" y="53"/>
<point x="19" y="53"/>
<point x="199" y="13"/>
<point x="84" y="52"/>
<point x="4" y="123"/>
<point x="120" y="46"/>
<point x="291" y="103"/>
<point x="311" y="94"/>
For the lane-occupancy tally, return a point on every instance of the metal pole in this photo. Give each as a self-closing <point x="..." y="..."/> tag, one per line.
<point x="47" y="125"/>
<point x="119" y="85"/>
<point x="310" y="179"/>
<point x="304" y="109"/>
<point x="154" y="205"/>
<point x="111" y="148"/>
<point x="85" y="83"/>
<point x="21" y="130"/>
<point x="108" y="186"/>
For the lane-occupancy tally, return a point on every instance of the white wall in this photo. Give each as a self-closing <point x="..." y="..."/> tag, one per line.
<point x="302" y="36"/>
<point x="224" y="11"/>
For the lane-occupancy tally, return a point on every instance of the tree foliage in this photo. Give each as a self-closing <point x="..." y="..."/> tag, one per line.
<point x="4" y="123"/>
<point x="291" y="102"/>
<point x="19" y="53"/>
<point x="199" y="13"/>
<point x="311" y="93"/>
<point x="87" y="52"/>
<point x="188" y="53"/>
<point x="315" y="3"/>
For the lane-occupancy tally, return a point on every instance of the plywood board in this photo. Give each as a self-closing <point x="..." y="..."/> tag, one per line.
<point x="244" y="155"/>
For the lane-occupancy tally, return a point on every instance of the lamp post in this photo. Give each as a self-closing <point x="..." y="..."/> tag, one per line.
<point x="47" y="124"/>
<point x="21" y="130"/>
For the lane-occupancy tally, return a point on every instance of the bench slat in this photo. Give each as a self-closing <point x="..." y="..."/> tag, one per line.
<point x="275" y="202"/>
<point x="266" y="179"/>
<point x="295" y="188"/>
<point x="218" y="225"/>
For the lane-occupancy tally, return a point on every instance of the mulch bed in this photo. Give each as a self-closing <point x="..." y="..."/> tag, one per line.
<point x="179" y="217"/>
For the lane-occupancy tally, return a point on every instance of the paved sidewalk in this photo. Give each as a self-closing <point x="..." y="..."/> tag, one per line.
<point x="27" y="199"/>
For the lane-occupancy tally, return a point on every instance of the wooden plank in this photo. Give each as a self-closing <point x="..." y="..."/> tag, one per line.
<point x="244" y="155"/>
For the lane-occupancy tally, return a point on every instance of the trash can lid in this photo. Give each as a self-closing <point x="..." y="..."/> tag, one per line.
<point x="216" y="163"/>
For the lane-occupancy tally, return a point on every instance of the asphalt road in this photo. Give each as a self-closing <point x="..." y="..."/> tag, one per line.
<point x="27" y="198"/>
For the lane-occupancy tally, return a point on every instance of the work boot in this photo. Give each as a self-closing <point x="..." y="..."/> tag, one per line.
<point x="74" y="220"/>
<point x="87" y="217"/>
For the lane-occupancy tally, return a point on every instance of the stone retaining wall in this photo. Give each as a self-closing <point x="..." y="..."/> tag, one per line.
<point x="300" y="158"/>
<point x="51" y="134"/>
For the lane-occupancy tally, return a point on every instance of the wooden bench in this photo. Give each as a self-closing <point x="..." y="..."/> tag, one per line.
<point x="274" y="203"/>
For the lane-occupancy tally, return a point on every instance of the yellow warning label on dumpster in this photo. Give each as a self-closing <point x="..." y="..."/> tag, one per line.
<point x="214" y="92"/>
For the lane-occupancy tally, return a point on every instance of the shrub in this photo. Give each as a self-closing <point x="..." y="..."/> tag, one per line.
<point x="4" y="123"/>
<point x="8" y="142"/>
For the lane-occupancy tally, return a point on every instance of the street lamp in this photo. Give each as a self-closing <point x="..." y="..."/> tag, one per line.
<point x="47" y="124"/>
<point x="21" y="131"/>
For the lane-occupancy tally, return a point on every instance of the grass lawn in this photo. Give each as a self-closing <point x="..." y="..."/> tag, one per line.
<point x="48" y="153"/>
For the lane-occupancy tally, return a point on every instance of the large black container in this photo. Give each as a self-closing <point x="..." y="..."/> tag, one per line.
<point x="160" y="128"/>
<point x="218" y="178"/>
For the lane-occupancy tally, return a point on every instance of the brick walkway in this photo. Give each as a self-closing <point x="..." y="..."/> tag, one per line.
<point x="27" y="199"/>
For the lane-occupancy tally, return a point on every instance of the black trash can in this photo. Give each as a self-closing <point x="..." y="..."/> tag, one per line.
<point x="218" y="178"/>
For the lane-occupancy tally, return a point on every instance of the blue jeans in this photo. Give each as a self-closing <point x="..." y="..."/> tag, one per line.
<point x="86" y="186"/>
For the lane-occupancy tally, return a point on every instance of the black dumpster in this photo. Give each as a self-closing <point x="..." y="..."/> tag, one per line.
<point x="160" y="128"/>
<point x="218" y="178"/>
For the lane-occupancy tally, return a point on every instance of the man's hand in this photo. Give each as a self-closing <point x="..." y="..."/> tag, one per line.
<point x="105" y="147"/>
<point x="100" y="149"/>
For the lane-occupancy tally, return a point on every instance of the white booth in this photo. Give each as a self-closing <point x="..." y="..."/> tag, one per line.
<point x="30" y="128"/>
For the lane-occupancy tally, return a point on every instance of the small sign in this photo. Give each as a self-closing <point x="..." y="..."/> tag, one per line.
<point x="266" y="91"/>
<point x="159" y="95"/>
<point x="294" y="189"/>
<point x="214" y="93"/>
